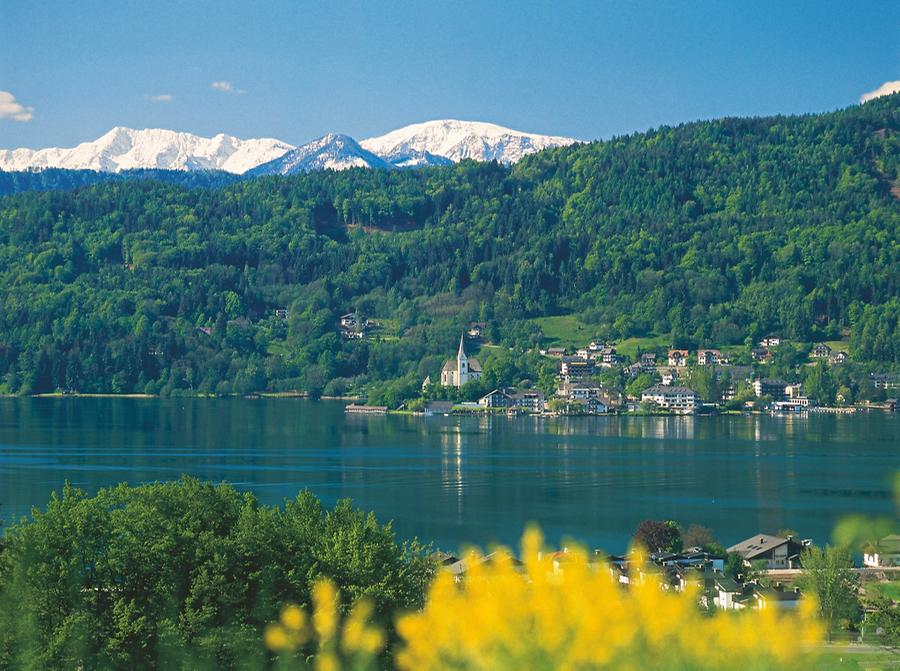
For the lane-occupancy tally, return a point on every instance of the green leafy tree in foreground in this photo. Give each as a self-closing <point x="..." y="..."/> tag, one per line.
<point x="828" y="575"/>
<point x="184" y="575"/>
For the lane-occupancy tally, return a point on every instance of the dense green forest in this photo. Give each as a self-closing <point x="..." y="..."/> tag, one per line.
<point x="53" y="179"/>
<point x="710" y="233"/>
<point x="184" y="575"/>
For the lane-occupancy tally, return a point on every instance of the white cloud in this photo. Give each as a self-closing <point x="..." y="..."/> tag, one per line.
<point x="163" y="98"/>
<point x="885" y="89"/>
<point x="10" y="108"/>
<point x="226" y="87"/>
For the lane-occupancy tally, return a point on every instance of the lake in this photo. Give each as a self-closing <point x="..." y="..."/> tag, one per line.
<point x="453" y="480"/>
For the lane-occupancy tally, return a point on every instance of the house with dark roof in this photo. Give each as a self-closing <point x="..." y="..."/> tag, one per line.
<point x="820" y="351"/>
<point x="575" y="368"/>
<point x="648" y="362"/>
<point x="498" y="398"/>
<point x="709" y="357"/>
<point x="433" y="408"/>
<point x="770" y="387"/>
<point x="760" y="354"/>
<point x="778" y="553"/>
<point x="476" y="330"/>
<point x="530" y="400"/>
<point x="774" y="597"/>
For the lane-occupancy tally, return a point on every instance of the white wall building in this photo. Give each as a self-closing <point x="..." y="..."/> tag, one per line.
<point x="455" y="373"/>
<point x="680" y="400"/>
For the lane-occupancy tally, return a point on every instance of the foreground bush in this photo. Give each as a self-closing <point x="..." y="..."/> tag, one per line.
<point x="184" y="575"/>
<point x="503" y="617"/>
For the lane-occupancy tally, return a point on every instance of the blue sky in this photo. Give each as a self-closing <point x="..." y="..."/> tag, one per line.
<point x="297" y="70"/>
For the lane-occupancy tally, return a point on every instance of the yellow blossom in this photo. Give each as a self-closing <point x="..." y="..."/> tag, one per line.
<point x="325" y="616"/>
<point x="574" y="614"/>
<point x="275" y="637"/>
<point x="293" y="618"/>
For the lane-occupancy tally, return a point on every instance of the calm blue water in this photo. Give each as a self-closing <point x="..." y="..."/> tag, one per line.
<point x="475" y="479"/>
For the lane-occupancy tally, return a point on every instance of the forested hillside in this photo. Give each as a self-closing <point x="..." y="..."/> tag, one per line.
<point x="53" y="179"/>
<point x="708" y="233"/>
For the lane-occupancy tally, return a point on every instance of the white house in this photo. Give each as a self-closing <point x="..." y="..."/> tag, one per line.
<point x="709" y="357"/>
<point x="885" y="552"/>
<point x="456" y="373"/>
<point x="680" y="400"/>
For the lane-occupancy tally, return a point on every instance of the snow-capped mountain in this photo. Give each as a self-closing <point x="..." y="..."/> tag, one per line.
<point x="126" y="148"/>
<point x="458" y="140"/>
<point x="424" y="144"/>
<point x="333" y="151"/>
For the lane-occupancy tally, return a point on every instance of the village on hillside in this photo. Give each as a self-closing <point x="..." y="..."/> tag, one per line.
<point x="596" y="379"/>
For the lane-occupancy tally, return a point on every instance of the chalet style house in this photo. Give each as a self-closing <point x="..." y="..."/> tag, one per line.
<point x="678" y="357"/>
<point x="709" y="357"/>
<point x="820" y="351"/>
<point x="776" y="552"/>
<point x="529" y="400"/>
<point x="456" y="372"/>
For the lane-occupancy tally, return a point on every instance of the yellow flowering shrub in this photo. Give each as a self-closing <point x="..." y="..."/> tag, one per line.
<point x="531" y="616"/>
<point x="340" y="643"/>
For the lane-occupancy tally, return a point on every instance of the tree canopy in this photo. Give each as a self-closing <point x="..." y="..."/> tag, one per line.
<point x="184" y="572"/>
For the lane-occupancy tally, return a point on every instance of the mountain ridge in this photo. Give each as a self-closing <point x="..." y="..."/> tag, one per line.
<point x="430" y="143"/>
<point x="459" y="140"/>
<point x="334" y="151"/>
<point x="123" y="148"/>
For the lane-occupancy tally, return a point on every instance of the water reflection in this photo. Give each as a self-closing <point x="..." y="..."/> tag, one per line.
<point x="476" y="478"/>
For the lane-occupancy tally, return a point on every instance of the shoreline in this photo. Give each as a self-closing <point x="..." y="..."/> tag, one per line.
<point x="251" y="396"/>
<point x="457" y="411"/>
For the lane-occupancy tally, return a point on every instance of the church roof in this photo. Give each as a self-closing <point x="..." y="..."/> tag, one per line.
<point x="450" y="365"/>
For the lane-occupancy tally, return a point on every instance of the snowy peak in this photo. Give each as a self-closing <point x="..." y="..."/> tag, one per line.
<point x="458" y="140"/>
<point x="330" y="152"/>
<point x="126" y="148"/>
<point x="424" y="144"/>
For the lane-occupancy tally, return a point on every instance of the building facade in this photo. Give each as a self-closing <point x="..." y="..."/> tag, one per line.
<point x="456" y="373"/>
<point x="680" y="400"/>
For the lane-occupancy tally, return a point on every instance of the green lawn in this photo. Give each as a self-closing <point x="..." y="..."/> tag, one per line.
<point x="630" y="346"/>
<point x="845" y="658"/>
<point x="890" y="589"/>
<point x="565" y="330"/>
<point x="839" y="345"/>
<point x="278" y="348"/>
<point x="570" y="331"/>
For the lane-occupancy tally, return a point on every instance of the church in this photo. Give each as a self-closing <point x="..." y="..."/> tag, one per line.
<point x="455" y="373"/>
